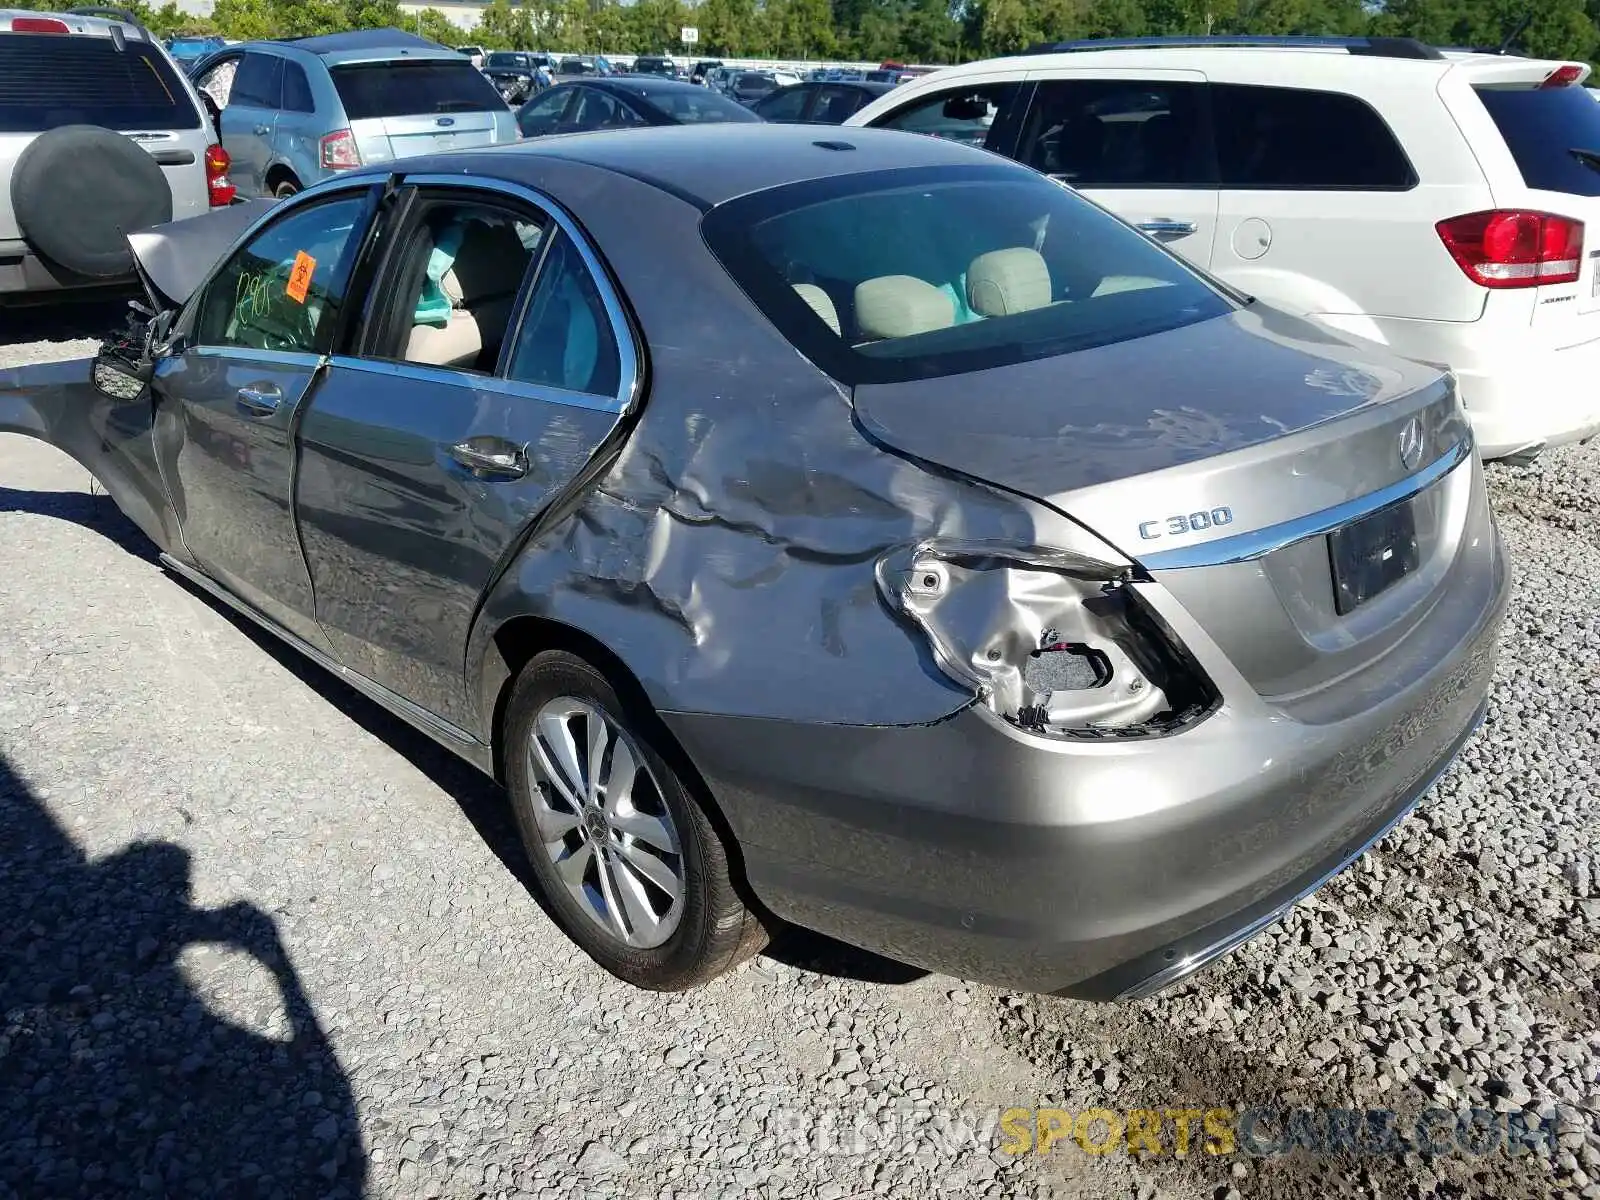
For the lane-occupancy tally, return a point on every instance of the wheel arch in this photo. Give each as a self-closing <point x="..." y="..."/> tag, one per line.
<point x="517" y="641"/>
<point x="282" y="172"/>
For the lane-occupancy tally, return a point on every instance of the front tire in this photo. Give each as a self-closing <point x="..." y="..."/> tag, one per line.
<point x="625" y="856"/>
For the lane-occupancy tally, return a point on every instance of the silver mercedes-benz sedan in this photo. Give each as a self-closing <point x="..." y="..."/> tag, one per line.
<point x="855" y="530"/>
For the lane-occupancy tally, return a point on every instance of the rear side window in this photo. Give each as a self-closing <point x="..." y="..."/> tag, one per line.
<point x="892" y="276"/>
<point x="1544" y="128"/>
<point x="258" y="82"/>
<point x="399" y="89"/>
<point x="1287" y="138"/>
<point x="296" y="89"/>
<point x="1117" y="133"/>
<point x="48" y="80"/>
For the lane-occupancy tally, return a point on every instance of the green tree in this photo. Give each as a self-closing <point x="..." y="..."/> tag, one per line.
<point x="436" y="27"/>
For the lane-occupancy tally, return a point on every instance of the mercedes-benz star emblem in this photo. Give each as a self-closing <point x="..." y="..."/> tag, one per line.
<point x="1411" y="444"/>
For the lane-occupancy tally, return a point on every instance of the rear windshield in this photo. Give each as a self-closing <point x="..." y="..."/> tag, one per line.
<point x="504" y="59"/>
<point x="913" y="274"/>
<point x="1545" y="128"/>
<point x="400" y="89"/>
<point x="49" y="79"/>
<point x="695" y="106"/>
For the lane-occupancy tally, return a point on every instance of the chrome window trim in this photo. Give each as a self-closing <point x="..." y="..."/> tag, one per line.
<point x="622" y="330"/>
<point x="473" y="380"/>
<point x="286" y="358"/>
<point x="1258" y="543"/>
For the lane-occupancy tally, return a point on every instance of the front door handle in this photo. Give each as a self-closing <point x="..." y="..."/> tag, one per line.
<point x="492" y="457"/>
<point x="1165" y="226"/>
<point x="263" y="130"/>
<point x="259" y="399"/>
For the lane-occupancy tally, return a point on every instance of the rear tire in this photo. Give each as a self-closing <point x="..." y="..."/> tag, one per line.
<point x="613" y="842"/>
<point x="286" y="188"/>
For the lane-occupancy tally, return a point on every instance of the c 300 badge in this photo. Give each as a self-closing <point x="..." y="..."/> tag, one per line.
<point x="1195" y="522"/>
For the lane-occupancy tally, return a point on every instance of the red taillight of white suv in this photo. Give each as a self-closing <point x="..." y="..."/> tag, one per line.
<point x="219" y="187"/>
<point x="339" y="150"/>
<point x="1514" y="248"/>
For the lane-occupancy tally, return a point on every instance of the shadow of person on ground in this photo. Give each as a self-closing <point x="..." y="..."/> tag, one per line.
<point x="116" y="1078"/>
<point x="480" y="799"/>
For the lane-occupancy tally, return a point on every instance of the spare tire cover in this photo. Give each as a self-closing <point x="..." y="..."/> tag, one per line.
<point x="78" y="189"/>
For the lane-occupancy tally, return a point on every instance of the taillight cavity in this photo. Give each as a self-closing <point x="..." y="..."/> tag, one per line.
<point x="1514" y="248"/>
<point x="339" y="152"/>
<point x="219" y="188"/>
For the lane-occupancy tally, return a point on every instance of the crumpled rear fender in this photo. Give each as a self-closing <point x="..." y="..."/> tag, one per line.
<point x="57" y="403"/>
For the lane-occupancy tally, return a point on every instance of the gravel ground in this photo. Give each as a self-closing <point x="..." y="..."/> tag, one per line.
<point x="263" y="940"/>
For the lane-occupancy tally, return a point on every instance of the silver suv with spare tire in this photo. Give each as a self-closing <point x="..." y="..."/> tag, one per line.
<point x="100" y="134"/>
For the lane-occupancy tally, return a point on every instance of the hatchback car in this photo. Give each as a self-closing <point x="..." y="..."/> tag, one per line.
<point x="299" y="110"/>
<point x="625" y="101"/>
<point x="99" y="132"/>
<point x="865" y="532"/>
<point x="818" y="103"/>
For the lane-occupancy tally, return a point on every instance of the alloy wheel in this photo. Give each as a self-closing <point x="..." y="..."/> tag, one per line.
<point x="604" y="824"/>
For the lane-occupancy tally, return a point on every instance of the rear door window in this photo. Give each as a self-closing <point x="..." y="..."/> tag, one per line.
<point x="1552" y="133"/>
<point x="399" y="89"/>
<point x="1271" y="138"/>
<point x="786" y="105"/>
<point x="259" y="82"/>
<point x="1103" y="133"/>
<point x="48" y="80"/>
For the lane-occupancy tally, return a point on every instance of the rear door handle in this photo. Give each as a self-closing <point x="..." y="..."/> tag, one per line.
<point x="492" y="457"/>
<point x="259" y="399"/>
<point x="263" y="130"/>
<point x="1163" y="225"/>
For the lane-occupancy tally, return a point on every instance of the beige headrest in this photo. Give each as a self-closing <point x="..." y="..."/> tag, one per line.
<point x="892" y="306"/>
<point x="1003" y="282"/>
<point x="819" y="303"/>
<point x="490" y="262"/>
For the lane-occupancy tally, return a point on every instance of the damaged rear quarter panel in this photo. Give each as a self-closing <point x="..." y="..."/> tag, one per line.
<point x="727" y="556"/>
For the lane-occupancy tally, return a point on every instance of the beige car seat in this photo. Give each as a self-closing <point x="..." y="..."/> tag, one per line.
<point x="820" y="303"/>
<point x="482" y="286"/>
<point x="894" y="306"/>
<point x="1003" y="282"/>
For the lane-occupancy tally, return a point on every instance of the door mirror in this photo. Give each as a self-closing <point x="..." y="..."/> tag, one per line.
<point x="127" y="359"/>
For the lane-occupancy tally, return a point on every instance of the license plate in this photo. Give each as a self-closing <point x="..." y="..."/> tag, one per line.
<point x="1372" y="554"/>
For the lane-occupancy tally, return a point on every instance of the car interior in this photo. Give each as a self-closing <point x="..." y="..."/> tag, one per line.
<point x="464" y="271"/>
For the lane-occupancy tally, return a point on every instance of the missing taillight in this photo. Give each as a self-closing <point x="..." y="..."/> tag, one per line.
<point x="1049" y="642"/>
<point x="1515" y="248"/>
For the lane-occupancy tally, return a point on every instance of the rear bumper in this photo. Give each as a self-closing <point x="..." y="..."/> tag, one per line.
<point x="1521" y="395"/>
<point x="1093" y="870"/>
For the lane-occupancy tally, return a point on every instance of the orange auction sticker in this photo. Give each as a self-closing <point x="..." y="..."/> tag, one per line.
<point x="300" y="277"/>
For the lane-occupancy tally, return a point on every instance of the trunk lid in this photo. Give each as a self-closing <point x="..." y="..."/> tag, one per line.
<point x="1260" y="413"/>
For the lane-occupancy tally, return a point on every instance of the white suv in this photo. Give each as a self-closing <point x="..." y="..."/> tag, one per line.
<point x="100" y="134"/>
<point x="1444" y="203"/>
